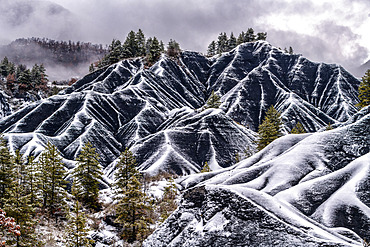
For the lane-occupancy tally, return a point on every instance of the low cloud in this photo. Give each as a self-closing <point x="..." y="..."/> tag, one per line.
<point x="195" y="23"/>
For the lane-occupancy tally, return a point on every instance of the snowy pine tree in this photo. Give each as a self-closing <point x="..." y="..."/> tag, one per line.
<point x="87" y="175"/>
<point x="269" y="129"/>
<point x="298" y="129"/>
<point x="364" y="90"/>
<point x="213" y="101"/>
<point x="52" y="180"/>
<point x="77" y="230"/>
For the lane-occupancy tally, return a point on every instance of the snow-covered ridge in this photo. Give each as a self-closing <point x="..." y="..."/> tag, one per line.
<point x="127" y="104"/>
<point x="301" y="190"/>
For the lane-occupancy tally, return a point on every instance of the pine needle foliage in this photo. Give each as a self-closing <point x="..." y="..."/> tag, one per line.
<point x="87" y="175"/>
<point x="52" y="180"/>
<point x="213" y="101"/>
<point x="298" y="129"/>
<point x="269" y="129"/>
<point x="364" y="90"/>
<point x="205" y="168"/>
<point x="6" y="172"/>
<point x="168" y="202"/>
<point x="77" y="230"/>
<point x="133" y="207"/>
<point x="126" y="168"/>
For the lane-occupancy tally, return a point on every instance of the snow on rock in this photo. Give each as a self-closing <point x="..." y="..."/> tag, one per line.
<point x="152" y="110"/>
<point x="301" y="190"/>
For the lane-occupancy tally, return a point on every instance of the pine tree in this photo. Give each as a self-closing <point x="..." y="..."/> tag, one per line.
<point x="133" y="211"/>
<point x="211" y="51"/>
<point x="173" y="48"/>
<point x="140" y="40"/>
<point x="222" y="43"/>
<point x="87" y="175"/>
<point x="19" y="205"/>
<point x="213" y="101"/>
<point x="261" y="36"/>
<point x="364" y="90"/>
<point x="6" y="172"/>
<point x="329" y="127"/>
<point x="154" y="51"/>
<point x="205" y="168"/>
<point x="126" y="168"/>
<point x="168" y="201"/>
<point x="130" y="45"/>
<point x="291" y="52"/>
<point x="298" y="129"/>
<point x="250" y="36"/>
<point x="231" y="42"/>
<point x="76" y="231"/>
<point x="161" y="46"/>
<point x="53" y="183"/>
<point x="269" y="129"/>
<point x="33" y="181"/>
<point x="241" y="38"/>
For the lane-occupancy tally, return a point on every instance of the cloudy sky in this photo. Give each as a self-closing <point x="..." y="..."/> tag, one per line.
<point x="332" y="31"/>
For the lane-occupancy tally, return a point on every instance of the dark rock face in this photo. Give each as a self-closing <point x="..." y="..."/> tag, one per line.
<point x="157" y="111"/>
<point x="216" y="216"/>
<point x="5" y="108"/>
<point x="317" y="183"/>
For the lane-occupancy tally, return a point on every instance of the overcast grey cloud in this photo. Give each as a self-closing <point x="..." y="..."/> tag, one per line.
<point x="323" y="30"/>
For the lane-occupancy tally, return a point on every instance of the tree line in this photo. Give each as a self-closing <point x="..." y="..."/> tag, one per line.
<point x="19" y="78"/>
<point x="225" y="43"/>
<point x="30" y="189"/>
<point x="68" y="53"/>
<point x="136" y="45"/>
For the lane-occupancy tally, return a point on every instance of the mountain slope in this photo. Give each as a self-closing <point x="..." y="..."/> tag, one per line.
<point x="157" y="111"/>
<point x="304" y="190"/>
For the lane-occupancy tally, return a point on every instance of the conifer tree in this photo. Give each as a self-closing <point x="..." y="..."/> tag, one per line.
<point x="250" y="36"/>
<point x="222" y="43"/>
<point x="211" y="51"/>
<point x="126" y="168"/>
<point x="269" y="129"/>
<point x="130" y="46"/>
<point x="133" y="206"/>
<point x="53" y="183"/>
<point x="161" y="47"/>
<point x="140" y="40"/>
<point x="329" y="127"/>
<point x="6" y="172"/>
<point x="77" y="231"/>
<point x="364" y="90"/>
<point x="261" y="36"/>
<point x="133" y="211"/>
<point x="19" y="205"/>
<point x="154" y="51"/>
<point x="241" y="38"/>
<point x="298" y="129"/>
<point x="213" y="101"/>
<point x="173" y="48"/>
<point x="87" y="175"/>
<point x="231" y="42"/>
<point x="33" y="181"/>
<point x="205" y="168"/>
<point x="168" y="201"/>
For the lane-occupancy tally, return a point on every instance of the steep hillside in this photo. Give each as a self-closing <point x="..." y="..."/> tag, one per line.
<point x="157" y="111"/>
<point x="301" y="190"/>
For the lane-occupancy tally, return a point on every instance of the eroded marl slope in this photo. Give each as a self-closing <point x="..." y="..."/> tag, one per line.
<point x="301" y="190"/>
<point x="127" y="104"/>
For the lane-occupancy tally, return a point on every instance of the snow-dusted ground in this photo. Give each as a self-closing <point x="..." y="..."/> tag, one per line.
<point x="301" y="190"/>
